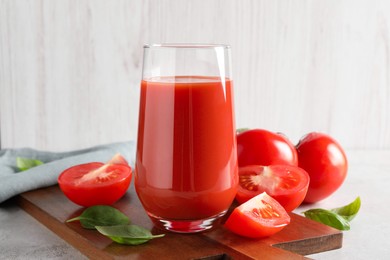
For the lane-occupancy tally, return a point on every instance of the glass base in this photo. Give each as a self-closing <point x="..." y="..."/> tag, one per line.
<point x="186" y="226"/>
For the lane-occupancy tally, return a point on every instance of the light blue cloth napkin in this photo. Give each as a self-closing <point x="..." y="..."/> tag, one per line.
<point x="14" y="182"/>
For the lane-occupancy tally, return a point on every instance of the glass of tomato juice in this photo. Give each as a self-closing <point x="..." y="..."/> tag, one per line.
<point x="186" y="171"/>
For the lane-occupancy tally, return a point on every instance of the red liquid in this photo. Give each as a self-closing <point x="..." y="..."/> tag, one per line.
<point x="186" y="165"/>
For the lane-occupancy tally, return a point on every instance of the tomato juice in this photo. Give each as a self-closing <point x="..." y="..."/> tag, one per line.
<point x="186" y="165"/>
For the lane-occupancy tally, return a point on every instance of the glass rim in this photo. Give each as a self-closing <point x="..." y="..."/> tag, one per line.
<point x="187" y="45"/>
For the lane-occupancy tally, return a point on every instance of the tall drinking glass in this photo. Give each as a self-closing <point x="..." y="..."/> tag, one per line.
<point x="186" y="171"/>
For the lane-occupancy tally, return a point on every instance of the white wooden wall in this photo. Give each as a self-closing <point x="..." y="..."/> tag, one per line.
<point x="70" y="70"/>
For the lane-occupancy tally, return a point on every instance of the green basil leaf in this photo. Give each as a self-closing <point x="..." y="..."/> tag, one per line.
<point x="240" y="130"/>
<point x="127" y="234"/>
<point x="24" y="163"/>
<point x="101" y="216"/>
<point x="348" y="211"/>
<point x="328" y="217"/>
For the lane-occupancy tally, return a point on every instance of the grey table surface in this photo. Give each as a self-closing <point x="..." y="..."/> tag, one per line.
<point x="23" y="237"/>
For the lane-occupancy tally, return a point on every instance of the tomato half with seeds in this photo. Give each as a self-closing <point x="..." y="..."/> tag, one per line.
<point x="261" y="216"/>
<point x="96" y="183"/>
<point x="286" y="183"/>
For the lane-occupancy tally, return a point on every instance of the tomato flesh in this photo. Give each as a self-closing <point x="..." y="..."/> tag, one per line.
<point x="95" y="183"/>
<point x="285" y="183"/>
<point x="118" y="159"/>
<point x="261" y="216"/>
<point x="262" y="147"/>
<point x="325" y="161"/>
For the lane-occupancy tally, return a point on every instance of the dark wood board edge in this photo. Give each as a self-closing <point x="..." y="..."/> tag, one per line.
<point x="330" y="239"/>
<point x="268" y="252"/>
<point x="313" y="245"/>
<point x="33" y="204"/>
<point x="320" y="238"/>
<point x="67" y="234"/>
<point x="113" y="250"/>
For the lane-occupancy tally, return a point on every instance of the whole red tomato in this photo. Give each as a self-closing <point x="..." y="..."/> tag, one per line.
<point x="326" y="163"/>
<point x="262" y="147"/>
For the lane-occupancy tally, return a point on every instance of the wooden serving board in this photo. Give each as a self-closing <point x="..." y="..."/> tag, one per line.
<point x="301" y="237"/>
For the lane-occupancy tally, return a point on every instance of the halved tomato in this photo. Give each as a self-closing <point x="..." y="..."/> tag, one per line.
<point x="286" y="183"/>
<point x="96" y="183"/>
<point x="261" y="216"/>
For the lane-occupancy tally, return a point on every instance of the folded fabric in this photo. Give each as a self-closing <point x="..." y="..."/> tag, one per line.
<point x="14" y="182"/>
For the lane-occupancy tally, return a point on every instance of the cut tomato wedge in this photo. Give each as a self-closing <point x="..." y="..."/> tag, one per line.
<point x="261" y="216"/>
<point x="286" y="183"/>
<point x="118" y="159"/>
<point x="96" y="183"/>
